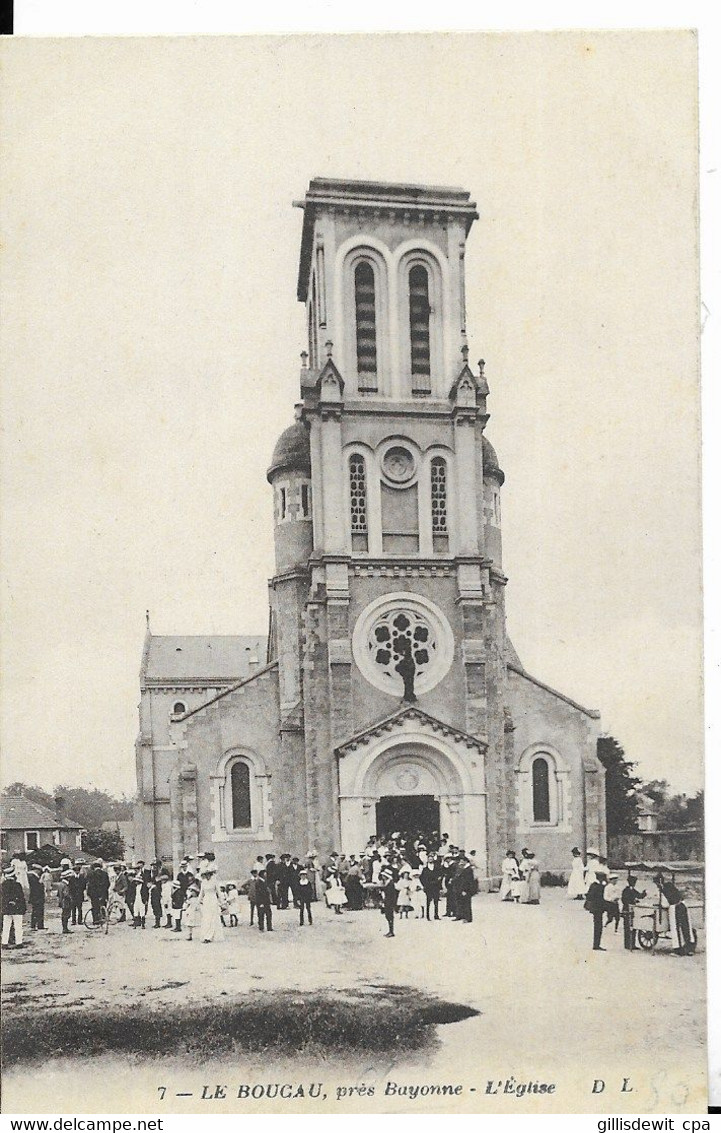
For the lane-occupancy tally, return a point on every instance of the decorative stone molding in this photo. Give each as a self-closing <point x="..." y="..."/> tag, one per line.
<point x="559" y="792"/>
<point x="260" y="798"/>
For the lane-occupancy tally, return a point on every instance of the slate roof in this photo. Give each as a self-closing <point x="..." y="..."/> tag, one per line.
<point x="19" y="813"/>
<point x="183" y="659"/>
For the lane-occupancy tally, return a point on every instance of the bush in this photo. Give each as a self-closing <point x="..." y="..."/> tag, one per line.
<point x="45" y="855"/>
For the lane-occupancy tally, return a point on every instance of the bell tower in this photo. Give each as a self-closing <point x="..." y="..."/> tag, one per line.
<point x="405" y="586"/>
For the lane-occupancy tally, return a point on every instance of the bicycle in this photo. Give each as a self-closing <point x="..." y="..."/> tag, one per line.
<point x="111" y="913"/>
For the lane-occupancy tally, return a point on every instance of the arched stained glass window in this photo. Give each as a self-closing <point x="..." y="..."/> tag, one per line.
<point x="420" y="329"/>
<point x="439" y="503"/>
<point x="365" y="327"/>
<point x="358" y="503"/>
<point x="541" y="795"/>
<point x="240" y="793"/>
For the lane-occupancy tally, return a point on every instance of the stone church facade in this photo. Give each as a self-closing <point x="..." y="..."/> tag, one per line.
<point x="388" y="695"/>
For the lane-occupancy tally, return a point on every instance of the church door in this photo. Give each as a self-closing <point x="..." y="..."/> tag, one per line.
<point x="407" y="814"/>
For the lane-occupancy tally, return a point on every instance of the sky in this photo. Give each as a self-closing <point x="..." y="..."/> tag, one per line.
<point x="150" y="348"/>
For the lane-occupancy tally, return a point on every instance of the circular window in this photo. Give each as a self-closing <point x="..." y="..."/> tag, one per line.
<point x="398" y="464"/>
<point x="398" y="626"/>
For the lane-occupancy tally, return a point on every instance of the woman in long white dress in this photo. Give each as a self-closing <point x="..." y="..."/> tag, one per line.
<point x="524" y="868"/>
<point x="509" y="874"/>
<point x="211" y="926"/>
<point x="533" y="881"/>
<point x="576" y="883"/>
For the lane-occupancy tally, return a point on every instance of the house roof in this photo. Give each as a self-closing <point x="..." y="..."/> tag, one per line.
<point x="19" y="813"/>
<point x="183" y="659"/>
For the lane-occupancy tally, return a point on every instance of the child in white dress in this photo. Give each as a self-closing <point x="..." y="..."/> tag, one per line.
<point x="335" y="895"/>
<point x="191" y="913"/>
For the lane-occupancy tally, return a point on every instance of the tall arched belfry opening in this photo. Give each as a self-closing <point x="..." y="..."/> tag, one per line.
<point x="388" y="695"/>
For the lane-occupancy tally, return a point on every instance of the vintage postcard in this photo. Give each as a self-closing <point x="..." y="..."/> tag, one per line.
<point x="352" y="705"/>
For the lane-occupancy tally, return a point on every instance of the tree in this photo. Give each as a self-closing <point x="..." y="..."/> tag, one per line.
<point x="89" y="808"/>
<point x="105" y="844"/>
<point x="622" y="787"/>
<point x="675" y="811"/>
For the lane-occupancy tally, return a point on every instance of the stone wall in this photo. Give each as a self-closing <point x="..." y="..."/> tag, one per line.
<point x="683" y="845"/>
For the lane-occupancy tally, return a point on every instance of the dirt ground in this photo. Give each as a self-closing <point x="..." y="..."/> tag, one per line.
<point x="551" y="1012"/>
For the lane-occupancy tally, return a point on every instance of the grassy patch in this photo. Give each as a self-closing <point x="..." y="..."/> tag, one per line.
<point x="384" y="1019"/>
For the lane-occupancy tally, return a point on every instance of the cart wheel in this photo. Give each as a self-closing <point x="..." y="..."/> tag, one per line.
<point x="647" y="938"/>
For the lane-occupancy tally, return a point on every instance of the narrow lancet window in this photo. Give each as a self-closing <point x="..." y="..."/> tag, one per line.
<point x="439" y="504"/>
<point x="541" y="795"/>
<point x="358" y="504"/>
<point x="240" y="793"/>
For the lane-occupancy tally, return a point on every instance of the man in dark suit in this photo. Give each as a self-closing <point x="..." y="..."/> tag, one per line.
<point x="629" y="899"/>
<point x="432" y="882"/>
<point x="76" y="885"/>
<point x="390" y="899"/>
<point x="37" y="898"/>
<point x="98" y="887"/>
<point x="13" y="908"/>
<point x="595" y="905"/>
<point x="271" y="876"/>
<point x="263" y="902"/>
<point x="282" y="881"/>
<point x="465" y="886"/>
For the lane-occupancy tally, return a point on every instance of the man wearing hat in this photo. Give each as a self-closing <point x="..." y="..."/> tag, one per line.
<point x="263" y="902"/>
<point x="98" y="887"/>
<point x="389" y="891"/>
<point x="594" y="904"/>
<point x="37" y="898"/>
<point x="13" y="907"/>
<point x="65" y="899"/>
<point x="76" y="885"/>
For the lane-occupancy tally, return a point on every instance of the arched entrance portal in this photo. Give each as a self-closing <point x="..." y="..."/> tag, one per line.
<point x="405" y="786"/>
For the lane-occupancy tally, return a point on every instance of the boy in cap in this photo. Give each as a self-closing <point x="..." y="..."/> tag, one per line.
<point x="304" y="896"/>
<point x="629" y="899"/>
<point x="252" y="890"/>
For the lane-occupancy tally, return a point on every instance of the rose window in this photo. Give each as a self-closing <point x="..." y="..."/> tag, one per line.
<point x="398" y="634"/>
<point x="396" y="627"/>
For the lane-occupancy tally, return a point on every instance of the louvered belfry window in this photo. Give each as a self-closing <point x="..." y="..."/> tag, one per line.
<point x="365" y="324"/>
<point x="358" y="504"/>
<point x="420" y="319"/>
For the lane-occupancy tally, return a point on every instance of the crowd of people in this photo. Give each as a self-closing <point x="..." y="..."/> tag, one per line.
<point x="403" y="875"/>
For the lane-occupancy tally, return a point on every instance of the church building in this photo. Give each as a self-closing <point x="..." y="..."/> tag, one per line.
<point x="388" y="696"/>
